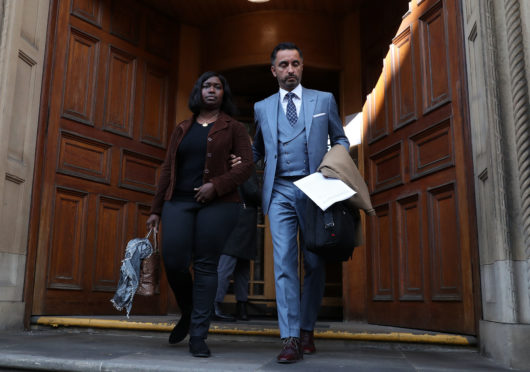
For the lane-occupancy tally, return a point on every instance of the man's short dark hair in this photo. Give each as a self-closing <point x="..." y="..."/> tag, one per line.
<point x="195" y="102"/>
<point x="285" y="46"/>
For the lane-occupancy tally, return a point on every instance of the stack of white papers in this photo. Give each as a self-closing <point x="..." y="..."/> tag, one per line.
<point x="324" y="191"/>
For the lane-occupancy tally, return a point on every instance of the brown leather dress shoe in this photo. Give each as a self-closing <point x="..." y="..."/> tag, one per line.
<point x="291" y="351"/>
<point x="307" y="341"/>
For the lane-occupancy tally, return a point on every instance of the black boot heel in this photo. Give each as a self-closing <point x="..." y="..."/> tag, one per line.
<point x="219" y="315"/>
<point x="180" y="331"/>
<point x="242" y="313"/>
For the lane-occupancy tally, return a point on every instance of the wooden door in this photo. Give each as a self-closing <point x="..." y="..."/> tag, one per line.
<point x="417" y="159"/>
<point x="110" y="109"/>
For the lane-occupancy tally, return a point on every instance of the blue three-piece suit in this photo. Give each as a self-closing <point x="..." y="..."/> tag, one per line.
<point x="292" y="151"/>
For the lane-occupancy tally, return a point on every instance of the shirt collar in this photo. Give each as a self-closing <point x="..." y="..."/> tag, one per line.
<point x="297" y="91"/>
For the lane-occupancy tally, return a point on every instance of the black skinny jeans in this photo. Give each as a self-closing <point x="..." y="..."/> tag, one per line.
<point x="195" y="233"/>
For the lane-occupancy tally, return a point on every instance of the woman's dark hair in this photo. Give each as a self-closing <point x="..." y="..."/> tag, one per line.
<point x="195" y="102"/>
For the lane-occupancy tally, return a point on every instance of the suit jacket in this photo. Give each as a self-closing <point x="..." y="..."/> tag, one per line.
<point x="227" y="136"/>
<point x="321" y="118"/>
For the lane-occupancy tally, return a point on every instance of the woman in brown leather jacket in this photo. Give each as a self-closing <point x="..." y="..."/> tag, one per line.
<point x="197" y="202"/>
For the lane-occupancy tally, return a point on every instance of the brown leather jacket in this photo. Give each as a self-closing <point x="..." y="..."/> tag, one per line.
<point x="227" y="136"/>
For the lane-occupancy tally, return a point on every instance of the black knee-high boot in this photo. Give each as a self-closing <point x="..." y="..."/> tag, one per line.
<point x="204" y="290"/>
<point x="182" y="285"/>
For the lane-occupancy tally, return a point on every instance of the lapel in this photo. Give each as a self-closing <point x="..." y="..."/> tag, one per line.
<point x="309" y="102"/>
<point x="220" y="124"/>
<point x="183" y="128"/>
<point x="271" y="110"/>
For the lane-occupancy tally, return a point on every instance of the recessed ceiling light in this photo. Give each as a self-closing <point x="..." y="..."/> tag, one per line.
<point x="258" y="1"/>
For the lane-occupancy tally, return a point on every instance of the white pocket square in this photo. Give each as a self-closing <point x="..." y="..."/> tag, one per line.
<point x="321" y="114"/>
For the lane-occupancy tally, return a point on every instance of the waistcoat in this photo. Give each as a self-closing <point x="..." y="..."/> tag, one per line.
<point x="292" y="146"/>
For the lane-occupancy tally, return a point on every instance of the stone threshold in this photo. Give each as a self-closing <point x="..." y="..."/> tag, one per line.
<point x="357" y="331"/>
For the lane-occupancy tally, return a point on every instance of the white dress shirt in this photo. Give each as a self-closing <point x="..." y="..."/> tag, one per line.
<point x="297" y="99"/>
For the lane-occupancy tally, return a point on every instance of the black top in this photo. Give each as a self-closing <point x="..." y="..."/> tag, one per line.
<point x="191" y="156"/>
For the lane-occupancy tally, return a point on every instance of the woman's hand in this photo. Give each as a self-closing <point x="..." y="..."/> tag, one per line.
<point x="152" y="222"/>
<point x="206" y="193"/>
<point x="234" y="160"/>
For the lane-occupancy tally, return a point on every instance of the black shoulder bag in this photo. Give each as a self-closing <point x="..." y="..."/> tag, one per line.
<point x="331" y="233"/>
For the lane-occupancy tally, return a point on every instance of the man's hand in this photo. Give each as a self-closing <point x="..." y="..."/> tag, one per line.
<point x="152" y="222"/>
<point x="234" y="160"/>
<point x="206" y="193"/>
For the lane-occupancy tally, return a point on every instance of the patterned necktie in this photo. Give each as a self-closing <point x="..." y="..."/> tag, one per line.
<point x="291" y="109"/>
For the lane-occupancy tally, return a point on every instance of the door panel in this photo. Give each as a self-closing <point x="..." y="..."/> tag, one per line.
<point x="420" y="274"/>
<point x="119" y="100"/>
<point x="68" y="221"/>
<point x="154" y="109"/>
<point x="87" y="10"/>
<point x="80" y="77"/>
<point x="434" y="58"/>
<point x="404" y="75"/>
<point x="410" y="249"/>
<point x="109" y="118"/>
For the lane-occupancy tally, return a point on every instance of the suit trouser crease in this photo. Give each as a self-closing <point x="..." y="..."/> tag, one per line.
<point x="195" y="233"/>
<point x="240" y="269"/>
<point x="286" y="216"/>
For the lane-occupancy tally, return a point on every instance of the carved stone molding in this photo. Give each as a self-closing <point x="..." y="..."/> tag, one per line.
<point x="498" y="144"/>
<point x="520" y="102"/>
<point x="493" y="104"/>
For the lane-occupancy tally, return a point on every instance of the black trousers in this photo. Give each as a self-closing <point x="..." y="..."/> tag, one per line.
<point x="195" y="234"/>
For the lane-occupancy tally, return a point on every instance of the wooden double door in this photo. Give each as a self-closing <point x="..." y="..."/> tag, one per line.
<point x="110" y="108"/>
<point x="421" y="243"/>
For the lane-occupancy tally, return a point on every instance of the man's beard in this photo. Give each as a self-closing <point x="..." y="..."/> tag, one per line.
<point x="291" y="84"/>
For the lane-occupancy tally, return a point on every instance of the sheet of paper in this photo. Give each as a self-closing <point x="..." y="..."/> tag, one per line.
<point x="324" y="191"/>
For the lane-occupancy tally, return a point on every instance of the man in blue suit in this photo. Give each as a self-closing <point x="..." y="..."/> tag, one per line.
<point x="292" y="131"/>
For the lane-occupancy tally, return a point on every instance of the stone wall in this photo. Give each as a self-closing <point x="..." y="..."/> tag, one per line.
<point x="496" y="41"/>
<point x="22" y="46"/>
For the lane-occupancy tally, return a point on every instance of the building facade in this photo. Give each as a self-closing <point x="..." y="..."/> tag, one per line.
<point x="22" y="48"/>
<point x="82" y="132"/>
<point x="497" y="54"/>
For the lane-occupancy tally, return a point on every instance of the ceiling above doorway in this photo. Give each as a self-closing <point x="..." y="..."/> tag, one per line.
<point x="201" y="12"/>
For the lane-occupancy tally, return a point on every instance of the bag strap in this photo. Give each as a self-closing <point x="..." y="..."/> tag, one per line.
<point x="155" y="238"/>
